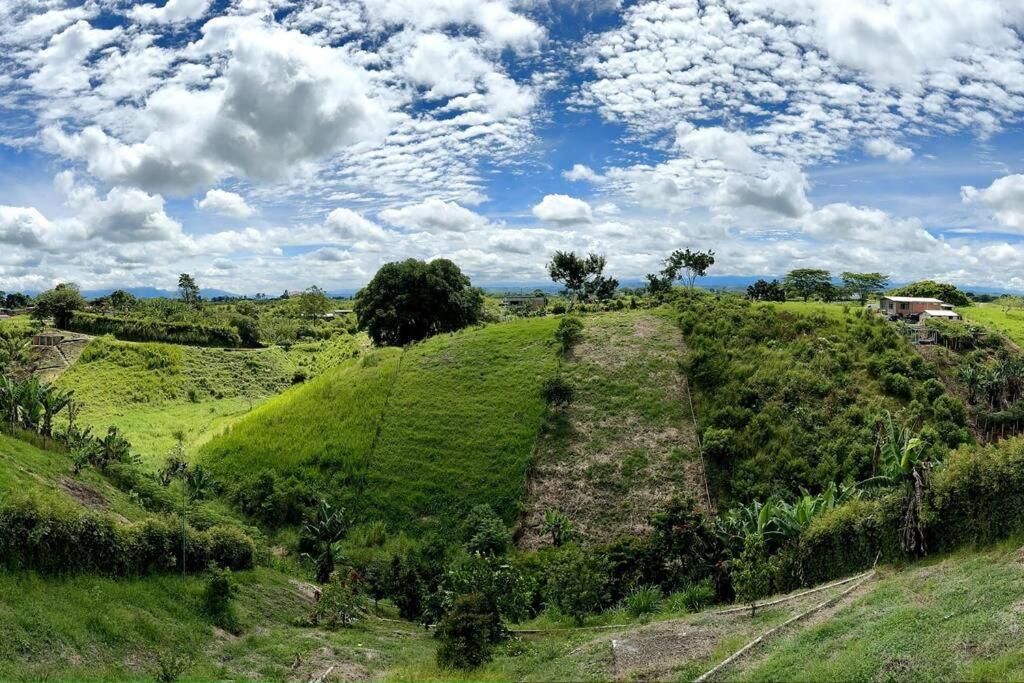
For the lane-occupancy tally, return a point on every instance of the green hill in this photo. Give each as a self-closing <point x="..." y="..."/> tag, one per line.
<point x="409" y="435"/>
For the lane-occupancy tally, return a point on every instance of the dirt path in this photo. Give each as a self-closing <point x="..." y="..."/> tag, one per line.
<point x="626" y="443"/>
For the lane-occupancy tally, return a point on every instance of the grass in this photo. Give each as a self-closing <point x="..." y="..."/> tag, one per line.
<point x="1010" y="323"/>
<point x="92" y="628"/>
<point x="151" y="390"/>
<point x="29" y="471"/>
<point x="436" y="428"/>
<point x="626" y="442"/>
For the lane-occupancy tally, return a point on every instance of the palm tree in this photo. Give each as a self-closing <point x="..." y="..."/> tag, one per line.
<point x="53" y="401"/>
<point x="325" y="529"/>
<point x="904" y="462"/>
<point x="970" y="375"/>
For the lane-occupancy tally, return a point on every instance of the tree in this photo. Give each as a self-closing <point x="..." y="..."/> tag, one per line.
<point x="583" y="277"/>
<point x="59" y="303"/>
<point x="578" y="582"/>
<point x="313" y="303"/>
<point x="410" y="300"/>
<point x="688" y="265"/>
<point x="658" y="284"/>
<point x="122" y="301"/>
<point x="16" y="300"/>
<point x="467" y="633"/>
<point x="762" y="290"/>
<point x="327" y="527"/>
<point x="936" y="290"/>
<point x="486" y="532"/>
<point x="559" y="526"/>
<point x="804" y="283"/>
<point x="865" y="285"/>
<point x="188" y="290"/>
<point x="53" y="401"/>
<point x="195" y="482"/>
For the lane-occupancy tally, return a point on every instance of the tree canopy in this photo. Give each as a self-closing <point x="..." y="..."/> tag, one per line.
<point x="935" y="290"/>
<point x="583" y="277"/>
<point x="807" y="282"/>
<point x="188" y="289"/>
<point x="865" y="285"/>
<point x="410" y="300"/>
<point x="687" y="266"/>
<point x="59" y="303"/>
<point x="762" y="290"/>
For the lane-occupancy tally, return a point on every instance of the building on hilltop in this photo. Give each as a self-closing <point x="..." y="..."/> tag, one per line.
<point x="912" y="307"/>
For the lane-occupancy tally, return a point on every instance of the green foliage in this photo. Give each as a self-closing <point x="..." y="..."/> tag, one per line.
<point x="847" y="539"/>
<point x="467" y="633"/>
<point x="642" y="601"/>
<point x="340" y="604"/>
<point x="507" y="591"/>
<point x="568" y="333"/>
<point x="558" y="392"/>
<point x="687" y="265"/>
<point x="322" y="531"/>
<point x="582" y="276"/>
<point x="559" y="526"/>
<point x="486" y="532"/>
<point x="410" y="300"/>
<point x="217" y="596"/>
<point x="63" y="540"/>
<point x="751" y="575"/>
<point x="61" y="303"/>
<point x="691" y="598"/>
<point x="578" y="583"/>
<point x="936" y="290"/>
<point x="865" y="285"/>
<point x="153" y="330"/>
<point x="762" y="290"/>
<point x="804" y="283"/>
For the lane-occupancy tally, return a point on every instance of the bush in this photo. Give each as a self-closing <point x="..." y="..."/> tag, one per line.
<point x="467" y="633"/>
<point x="217" y="597"/>
<point x="751" y="574"/>
<point x="557" y="392"/>
<point x="642" y="600"/>
<point x="847" y="539"/>
<point x="578" y="583"/>
<point x="486" y="532"/>
<point x="58" y="540"/>
<point x="692" y="598"/>
<point x="897" y="385"/>
<point x="150" y="330"/>
<point x="569" y="332"/>
<point x="340" y="604"/>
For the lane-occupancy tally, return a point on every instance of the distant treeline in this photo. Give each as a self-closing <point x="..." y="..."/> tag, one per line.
<point x="151" y="330"/>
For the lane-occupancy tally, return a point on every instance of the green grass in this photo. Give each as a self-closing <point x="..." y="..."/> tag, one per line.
<point x="992" y="316"/>
<point x="835" y="310"/>
<point x="439" y="427"/>
<point x="29" y="471"/>
<point x="19" y="325"/>
<point x="92" y="628"/>
<point x="151" y="390"/>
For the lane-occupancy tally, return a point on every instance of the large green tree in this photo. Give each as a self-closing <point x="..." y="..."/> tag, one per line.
<point x="865" y="285"/>
<point x="59" y="303"/>
<point x="936" y="290"/>
<point x="687" y="266"/>
<point x="582" y="276"/>
<point x="804" y="283"/>
<point x="188" y="290"/>
<point x="411" y="300"/>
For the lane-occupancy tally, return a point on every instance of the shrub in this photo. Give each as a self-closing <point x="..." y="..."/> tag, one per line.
<point x="569" y="332"/>
<point x="692" y="598"/>
<point x="339" y="605"/>
<point x="847" y="539"/>
<point x="59" y="540"/>
<point x="467" y="633"/>
<point x="751" y="574"/>
<point x="151" y="330"/>
<point x="578" y="583"/>
<point x="486" y="532"/>
<point x="897" y="385"/>
<point x="217" y="597"/>
<point x="557" y="392"/>
<point x="642" y="600"/>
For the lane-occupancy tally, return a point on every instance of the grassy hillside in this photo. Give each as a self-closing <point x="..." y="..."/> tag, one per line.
<point x="626" y="442"/>
<point x="29" y="471"/>
<point x="151" y="390"/>
<point x="413" y="435"/>
<point x="992" y="316"/>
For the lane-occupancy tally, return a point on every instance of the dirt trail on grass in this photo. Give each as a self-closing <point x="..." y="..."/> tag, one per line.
<point x="626" y="443"/>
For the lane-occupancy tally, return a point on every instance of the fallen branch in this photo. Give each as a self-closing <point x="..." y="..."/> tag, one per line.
<point x="760" y="639"/>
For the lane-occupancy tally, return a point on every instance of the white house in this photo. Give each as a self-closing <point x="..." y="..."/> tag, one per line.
<point x="941" y="314"/>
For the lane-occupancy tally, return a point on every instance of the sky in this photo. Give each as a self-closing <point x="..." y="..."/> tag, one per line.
<point x="264" y="145"/>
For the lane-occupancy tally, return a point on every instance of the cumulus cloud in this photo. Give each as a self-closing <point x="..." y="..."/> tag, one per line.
<point x="873" y="226"/>
<point x="173" y="11"/>
<point x="563" y="210"/>
<point x="878" y="147"/>
<point x="580" y="172"/>
<point x="1004" y="198"/>
<point x="24" y="226"/>
<point x="348" y="225"/>
<point x="225" y="203"/>
<point x="435" y="215"/>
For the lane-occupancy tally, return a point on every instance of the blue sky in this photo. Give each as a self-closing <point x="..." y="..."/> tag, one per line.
<point x="271" y="144"/>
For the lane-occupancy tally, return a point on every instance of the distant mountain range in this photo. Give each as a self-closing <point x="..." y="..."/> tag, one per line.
<point x="153" y="292"/>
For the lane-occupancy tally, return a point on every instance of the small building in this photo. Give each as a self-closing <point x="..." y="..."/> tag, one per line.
<point x="521" y="301"/>
<point x="47" y="339"/>
<point x="909" y="306"/>
<point x="941" y="314"/>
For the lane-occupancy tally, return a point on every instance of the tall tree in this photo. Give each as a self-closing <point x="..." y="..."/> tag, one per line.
<point x="188" y="290"/>
<point x="687" y="266"/>
<point x="762" y="290"/>
<point x="583" y="277"/>
<point x="122" y="301"/>
<point x="410" y="300"/>
<point x="313" y="302"/>
<point x="806" y="282"/>
<point x="865" y="285"/>
<point x="59" y="303"/>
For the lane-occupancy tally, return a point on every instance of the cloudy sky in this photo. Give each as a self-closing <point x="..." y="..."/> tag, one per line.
<point x="271" y="144"/>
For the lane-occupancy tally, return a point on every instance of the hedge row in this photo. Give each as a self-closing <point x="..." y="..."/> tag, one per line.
<point x="150" y="330"/>
<point x="54" y="540"/>
<point x="977" y="497"/>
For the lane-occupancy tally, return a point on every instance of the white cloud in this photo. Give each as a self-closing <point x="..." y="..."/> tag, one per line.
<point x="871" y="226"/>
<point x="435" y="215"/>
<point x="173" y="11"/>
<point x="879" y="147"/>
<point x="780" y="191"/>
<point x="225" y="203"/>
<point x="1004" y="198"/>
<point x="563" y="210"/>
<point x="348" y="225"/>
<point x="24" y="226"/>
<point x="580" y="172"/>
